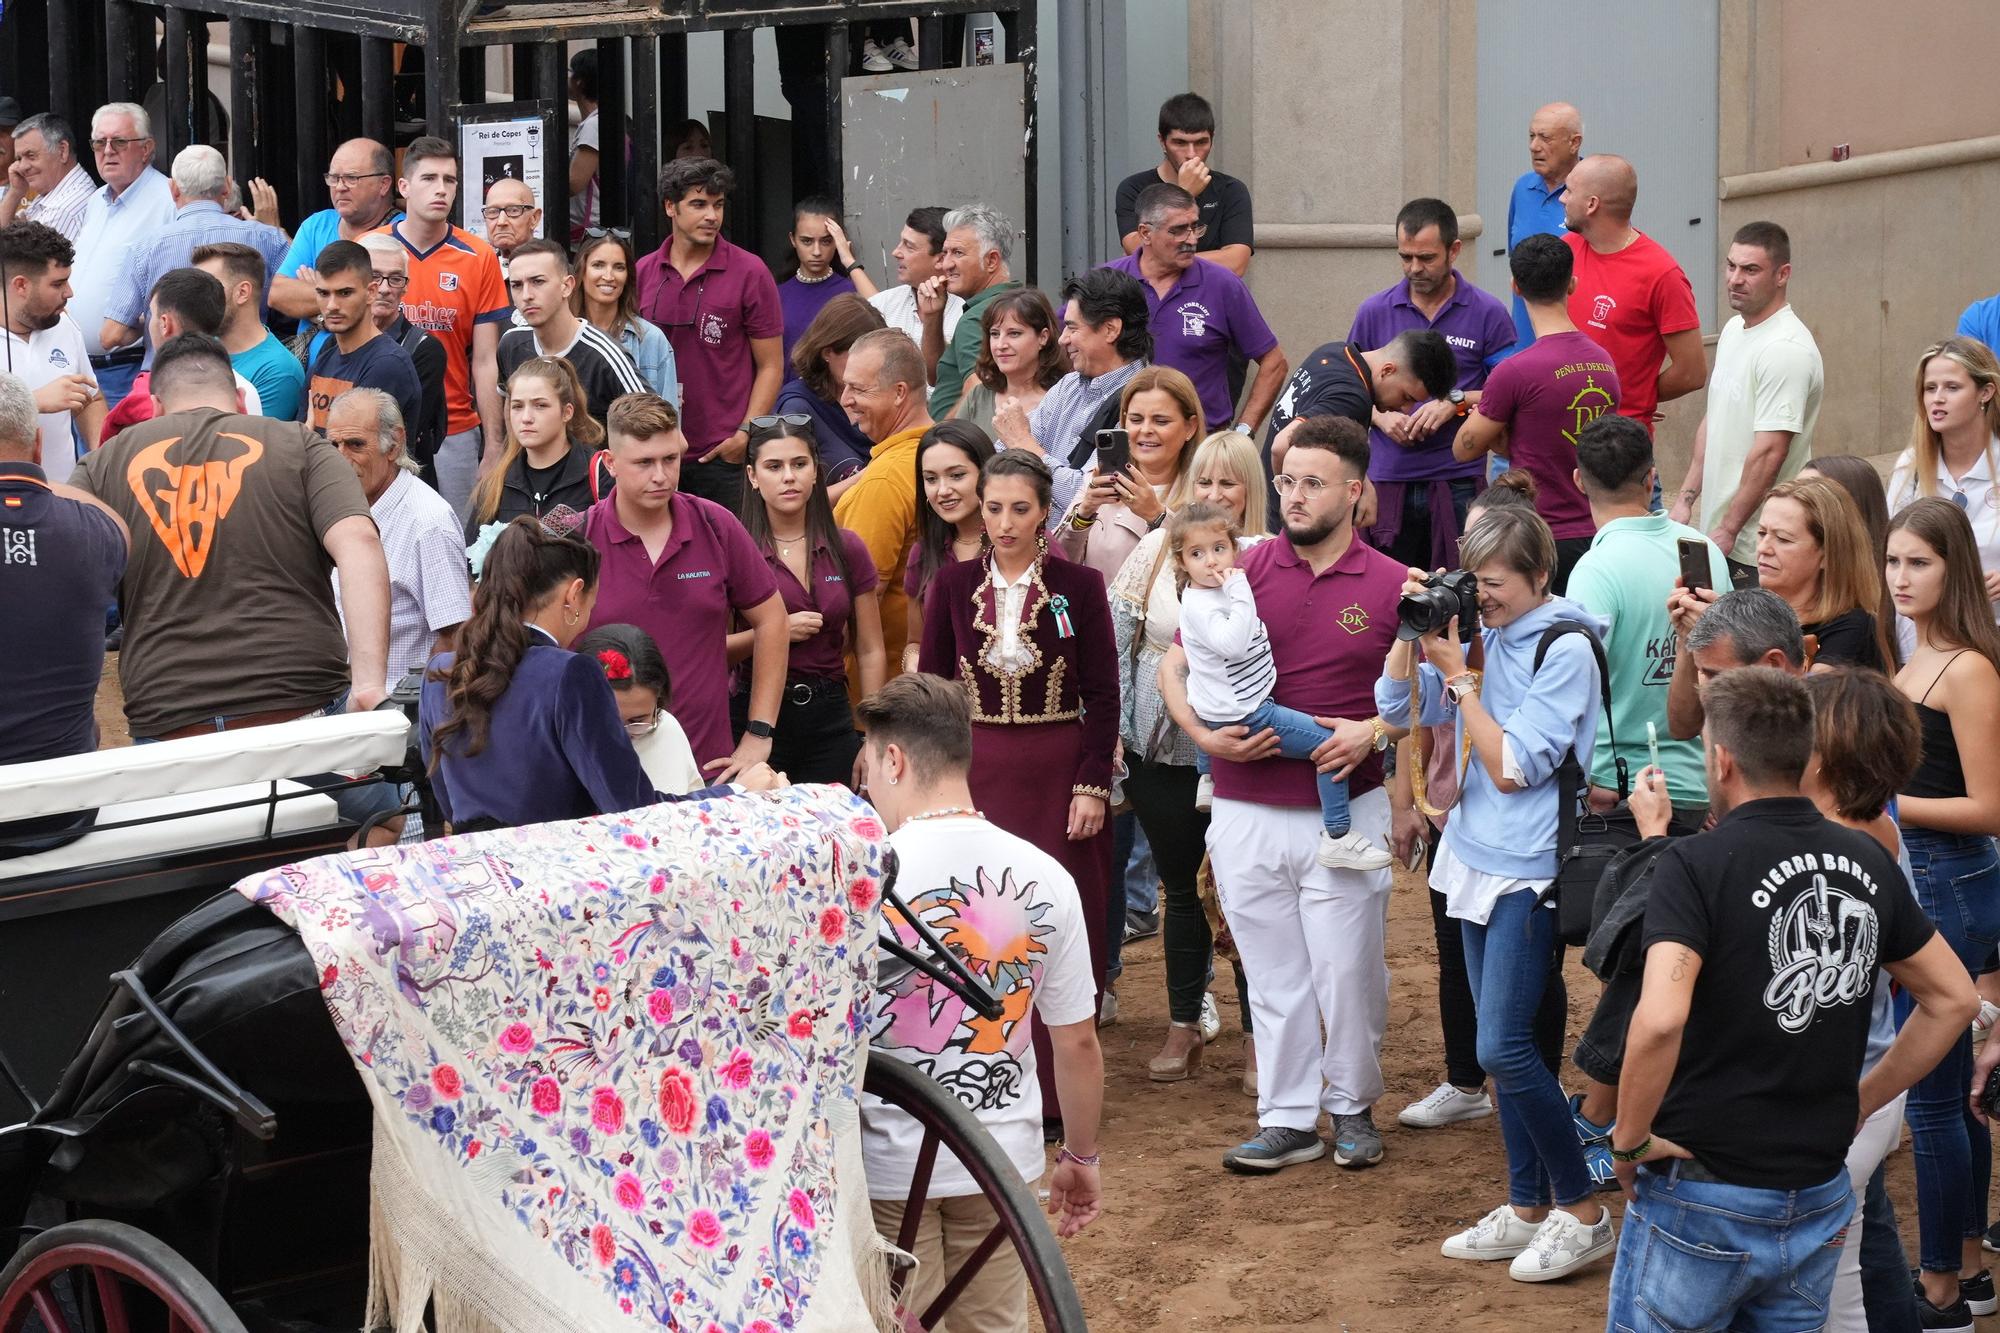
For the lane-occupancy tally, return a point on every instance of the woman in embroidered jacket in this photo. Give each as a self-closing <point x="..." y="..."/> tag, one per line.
<point x="1030" y="639"/>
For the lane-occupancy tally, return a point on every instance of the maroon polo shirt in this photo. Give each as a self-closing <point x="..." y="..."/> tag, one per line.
<point x="1330" y="634"/>
<point x="832" y="596"/>
<point x="708" y="569"/>
<point x="710" y="318"/>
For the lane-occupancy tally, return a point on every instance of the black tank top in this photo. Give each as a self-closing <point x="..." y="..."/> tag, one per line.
<point x="1939" y="773"/>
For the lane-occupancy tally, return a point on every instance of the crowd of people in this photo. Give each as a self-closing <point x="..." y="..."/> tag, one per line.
<point x="1129" y="622"/>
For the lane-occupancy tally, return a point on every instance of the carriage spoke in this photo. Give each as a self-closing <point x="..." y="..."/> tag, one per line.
<point x="111" y="1301"/>
<point x="48" y="1310"/>
<point x="963" y="1277"/>
<point x="913" y="1207"/>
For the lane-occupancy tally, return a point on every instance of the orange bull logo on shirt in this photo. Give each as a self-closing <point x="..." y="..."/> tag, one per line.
<point x="186" y="503"/>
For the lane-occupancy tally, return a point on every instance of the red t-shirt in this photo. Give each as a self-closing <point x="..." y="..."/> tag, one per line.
<point x="1627" y="303"/>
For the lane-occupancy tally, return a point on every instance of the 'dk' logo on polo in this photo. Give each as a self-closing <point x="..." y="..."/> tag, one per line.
<point x="1354" y="618"/>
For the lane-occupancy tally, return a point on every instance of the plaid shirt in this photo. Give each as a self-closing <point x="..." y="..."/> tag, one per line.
<point x="430" y="588"/>
<point x="1063" y="412"/>
<point x="62" y="208"/>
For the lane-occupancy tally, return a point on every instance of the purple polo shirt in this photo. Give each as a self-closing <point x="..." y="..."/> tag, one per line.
<point x="709" y="568"/>
<point x="710" y="319"/>
<point x="1205" y="313"/>
<point x="1330" y="634"/>
<point x="830" y="595"/>
<point x="1479" y="330"/>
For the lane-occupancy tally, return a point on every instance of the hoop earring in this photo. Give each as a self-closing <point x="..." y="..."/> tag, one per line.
<point x="571" y="617"/>
<point x="892" y="779"/>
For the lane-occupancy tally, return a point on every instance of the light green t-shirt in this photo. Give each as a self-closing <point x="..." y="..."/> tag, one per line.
<point x="1766" y="378"/>
<point x="1627" y="575"/>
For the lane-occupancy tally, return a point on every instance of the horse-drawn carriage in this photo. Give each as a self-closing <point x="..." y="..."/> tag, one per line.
<point x="607" y="1074"/>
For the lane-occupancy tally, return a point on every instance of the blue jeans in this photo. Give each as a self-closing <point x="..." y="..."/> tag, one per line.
<point x="1699" y="1254"/>
<point x="1298" y="737"/>
<point x="1958" y="885"/>
<point x="1507" y="965"/>
<point x="1886" y="1296"/>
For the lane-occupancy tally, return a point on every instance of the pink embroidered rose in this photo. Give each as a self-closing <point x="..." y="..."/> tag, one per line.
<point x="660" y="1004"/>
<point x="704" y="1229"/>
<point x="866" y="826"/>
<point x="802" y="1210"/>
<point x="861" y="895"/>
<point x="735" y="1072"/>
<point x="631" y="1195"/>
<point x="603" y="1245"/>
<point x="601" y="998"/>
<point x="678" y="1104"/>
<point x="801" y="1024"/>
<point x="607" y="1110"/>
<point x="546" y="1096"/>
<point x="832" y="925"/>
<point x="757" y="1149"/>
<point x="657" y="884"/>
<point x="447" y="1082"/>
<point x="517" y="1038"/>
<point x="761" y="1326"/>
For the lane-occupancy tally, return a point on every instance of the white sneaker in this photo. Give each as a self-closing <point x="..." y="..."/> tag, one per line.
<point x="1446" y="1106"/>
<point x="1204" y="793"/>
<point x="900" y="55"/>
<point x="1350" y="851"/>
<point x="872" y="59"/>
<point x="1211" y="1017"/>
<point x="1563" y="1244"/>
<point x="1501" y="1234"/>
<point x="1982" y="1024"/>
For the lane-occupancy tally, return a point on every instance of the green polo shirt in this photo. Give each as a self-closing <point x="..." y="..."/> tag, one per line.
<point x="962" y="352"/>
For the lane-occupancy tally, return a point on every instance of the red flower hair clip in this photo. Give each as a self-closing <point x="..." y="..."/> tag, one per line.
<point x="616" y="665"/>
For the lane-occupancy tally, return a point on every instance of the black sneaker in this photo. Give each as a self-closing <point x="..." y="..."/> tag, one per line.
<point x="1953" y="1318"/>
<point x="1977" y="1293"/>
<point x="1992" y="1241"/>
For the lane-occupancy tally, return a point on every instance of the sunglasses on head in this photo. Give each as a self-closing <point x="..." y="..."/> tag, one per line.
<point x="793" y="419"/>
<point x="599" y="233"/>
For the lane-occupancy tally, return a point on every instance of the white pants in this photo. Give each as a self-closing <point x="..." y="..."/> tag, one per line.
<point x="1311" y="941"/>
<point x="457" y="465"/>
<point x="1878" y="1135"/>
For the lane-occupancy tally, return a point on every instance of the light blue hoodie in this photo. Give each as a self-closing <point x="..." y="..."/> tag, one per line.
<point x="1543" y="714"/>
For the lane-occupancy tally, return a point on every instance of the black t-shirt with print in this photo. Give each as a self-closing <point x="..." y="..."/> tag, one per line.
<point x="1224" y="207"/>
<point x="1791" y="914"/>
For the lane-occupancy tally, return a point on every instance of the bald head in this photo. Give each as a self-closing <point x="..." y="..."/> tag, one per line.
<point x="502" y="231"/>
<point x="1555" y="139"/>
<point x="1602" y="192"/>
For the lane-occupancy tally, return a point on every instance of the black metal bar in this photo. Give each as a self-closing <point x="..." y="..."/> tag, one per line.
<point x="930" y="42"/>
<point x="24" y="64"/>
<point x="245" y="74"/>
<point x="343" y="58"/>
<point x="275" y="116"/>
<point x="524" y="71"/>
<point x="1022" y="46"/>
<point x="739" y="106"/>
<point x="552" y="85"/>
<point x="186" y="118"/>
<point x="643" y="188"/>
<point x="472" y="74"/>
<point x="309" y="113"/>
<point x="673" y="87"/>
<point x="440" y="87"/>
<point x="378" y="90"/>
<point x="613" y="190"/>
<point x="835" y="166"/>
<point x="245" y="1107"/>
<point x="122" y="25"/>
<point x="65" y="59"/>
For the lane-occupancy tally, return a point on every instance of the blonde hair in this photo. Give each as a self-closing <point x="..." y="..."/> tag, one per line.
<point x="582" y="429"/>
<point x="1926" y="445"/>
<point x="1195" y="517"/>
<point x="1234" y="452"/>
<point x="1849" y="579"/>
<point x="1171" y="382"/>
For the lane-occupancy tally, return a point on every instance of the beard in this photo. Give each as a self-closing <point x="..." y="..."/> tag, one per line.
<point x="41" y="323"/>
<point x="1313" y="531"/>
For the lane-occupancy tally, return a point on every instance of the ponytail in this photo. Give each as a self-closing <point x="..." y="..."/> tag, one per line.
<point x="523" y="567"/>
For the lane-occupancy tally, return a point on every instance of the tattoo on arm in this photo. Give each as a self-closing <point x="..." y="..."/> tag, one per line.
<point x="1681" y="965"/>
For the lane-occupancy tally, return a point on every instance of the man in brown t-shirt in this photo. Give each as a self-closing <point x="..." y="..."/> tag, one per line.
<point x="236" y="523"/>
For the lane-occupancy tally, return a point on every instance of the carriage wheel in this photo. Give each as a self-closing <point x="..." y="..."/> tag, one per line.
<point x="948" y="1126"/>
<point x="134" y="1281"/>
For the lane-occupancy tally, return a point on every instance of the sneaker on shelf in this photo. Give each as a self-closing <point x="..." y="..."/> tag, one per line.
<point x="1351" y="851"/>
<point x="1953" y="1318"/>
<point x="1356" y="1141"/>
<point x="1211" y="1017"/>
<point x="1274" y="1149"/>
<point x="1982" y="1023"/>
<point x="872" y="59"/>
<point x="900" y="55"/>
<point x="1562" y="1244"/>
<point x="1446" y="1106"/>
<point x="1501" y="1234"/>
<point x="1977" y="1293"/>
<point x="1204" y="793"/>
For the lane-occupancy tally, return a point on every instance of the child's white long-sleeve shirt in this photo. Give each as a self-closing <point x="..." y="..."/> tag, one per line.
<point x="1230" y="670"/>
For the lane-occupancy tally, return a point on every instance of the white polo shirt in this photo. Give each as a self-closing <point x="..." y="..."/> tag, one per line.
<point x="112" y="228"/>
<point x="48" y="355"/>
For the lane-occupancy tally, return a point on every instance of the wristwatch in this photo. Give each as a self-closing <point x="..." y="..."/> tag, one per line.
<point x="851" y="268"/>
<point x="1381" y="730"/>
<point x="1457" y="400"/>
<point x="761" y="730"/>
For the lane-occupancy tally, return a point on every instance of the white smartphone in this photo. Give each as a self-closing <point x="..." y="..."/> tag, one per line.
<point x="1653" y="742"/>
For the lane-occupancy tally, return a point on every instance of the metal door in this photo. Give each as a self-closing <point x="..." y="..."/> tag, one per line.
<point x="1644" y="76"/>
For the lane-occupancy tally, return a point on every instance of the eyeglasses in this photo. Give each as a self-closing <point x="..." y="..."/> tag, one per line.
<point x="349" y="179"/>
<point x="1187" y="231"/>
<point x="795" y="420"/>
<point x="645" y="728"/>
<point x="118" y="145"/>
<point x="1313" y="487"/>
<point x="599" y="233"/>
<point x="493" y="212"/>
<point x="395" y="282"/>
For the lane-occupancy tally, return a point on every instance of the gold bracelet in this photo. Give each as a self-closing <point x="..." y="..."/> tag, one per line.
<point x="1101" y="793"/>
<point x="1080" y="522"/>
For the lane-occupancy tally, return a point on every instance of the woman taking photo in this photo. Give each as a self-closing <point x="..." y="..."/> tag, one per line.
<point x="819" y="359"/>
<point x="606" y="296"/>
<point x="950" y="526"/>
<point x="1950" y="811"/>
<point x="550" y="439"/>
<point x="515" y="728"/>
<point x="1812" y="551"/>
<point x="1160" y="758"/>
<point x="1030" y="639"/>
<point x="1863" y="484"/>
<point x="1019" y="358"/>
<point x="1498" y="855"/>
<point x="1953" y="443"/>
<point x="827" y="581"/>
<point x="1161" y="414"/>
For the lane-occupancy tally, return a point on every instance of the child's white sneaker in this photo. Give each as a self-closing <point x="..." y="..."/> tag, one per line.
<point x="1350" y="851"/>
<point x="1204" y="793"/>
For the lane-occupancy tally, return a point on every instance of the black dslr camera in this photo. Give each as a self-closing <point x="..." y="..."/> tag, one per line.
<point x="1445" y="596"/>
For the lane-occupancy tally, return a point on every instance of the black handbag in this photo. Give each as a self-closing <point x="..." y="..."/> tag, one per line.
<point x="1586" y="844"/>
